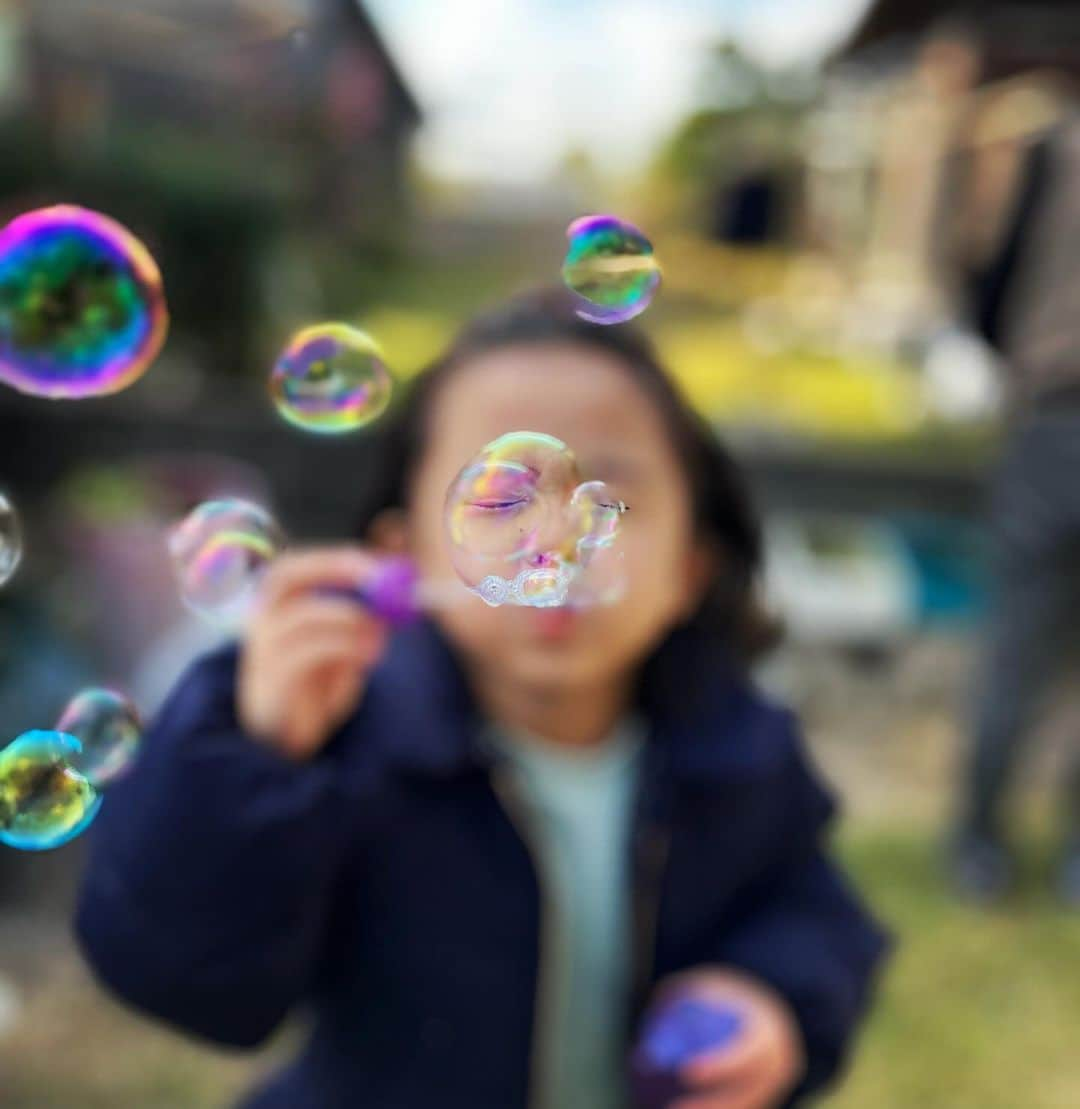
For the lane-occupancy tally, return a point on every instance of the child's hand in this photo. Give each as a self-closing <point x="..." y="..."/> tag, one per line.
<point x="306" y="657"/>
<point x="761" y="1066"/>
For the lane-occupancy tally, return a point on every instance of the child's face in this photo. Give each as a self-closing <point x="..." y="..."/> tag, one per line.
<point x="587" y="399"/>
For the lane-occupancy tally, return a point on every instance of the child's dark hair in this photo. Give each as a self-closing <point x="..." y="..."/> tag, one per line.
<point x="722" y="511"/>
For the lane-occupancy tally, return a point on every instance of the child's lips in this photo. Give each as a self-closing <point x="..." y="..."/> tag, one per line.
<point x="554" y="623"/>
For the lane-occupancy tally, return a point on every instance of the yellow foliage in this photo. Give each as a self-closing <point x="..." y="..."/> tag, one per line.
<point x="410" y="338"/>
<point x="818" y="394"/>
<point x="802" y="391"/>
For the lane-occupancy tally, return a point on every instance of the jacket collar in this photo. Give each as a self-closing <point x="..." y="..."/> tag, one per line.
<point x="704" y="717"/>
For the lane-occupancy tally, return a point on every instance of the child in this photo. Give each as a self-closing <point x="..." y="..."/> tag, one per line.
<point x="479" y="849"/>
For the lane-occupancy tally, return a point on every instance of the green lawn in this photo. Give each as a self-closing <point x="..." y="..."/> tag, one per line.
<point x="978" y="1009"/>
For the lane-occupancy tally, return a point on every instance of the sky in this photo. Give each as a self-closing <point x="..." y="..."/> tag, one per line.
<point x="508" y="86"/>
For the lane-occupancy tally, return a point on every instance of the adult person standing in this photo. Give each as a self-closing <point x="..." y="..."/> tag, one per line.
<point x="1026" y="301"/>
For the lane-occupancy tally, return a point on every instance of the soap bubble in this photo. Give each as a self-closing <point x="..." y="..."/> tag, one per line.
<point x="543" y="587"/>
<point x="493" y="590"/>
<point x="330" y="379"/>
<point x="522" y="527"/>
<point x="610" y="268"/>
<point x="506" y="516"/>
<point x="108" y="727"/>
<point x="82" y="309"/>
<point x="601" y="578"/>
<point x="508" y="500"/>
<point x="11" y="546"/>
<point x="220" y="551"/>
<point x="596" y="513"/>
<point x="44" y="800"/>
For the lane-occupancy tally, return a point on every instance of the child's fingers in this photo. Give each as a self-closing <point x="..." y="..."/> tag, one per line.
<point x="319" y="681"/>
<point x="305" y="662"/>
<point x="749" y="1073"/>
<point x="340" y="646"/>
<point x="307" y="616"/>
<point x="757" y="1094"/>
<point x="731" y="1063"/>
<point x="304" y="571"/>
<point x="339" y="693"/>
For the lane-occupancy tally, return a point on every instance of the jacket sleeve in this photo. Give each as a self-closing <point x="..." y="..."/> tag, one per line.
<point x="804" y="932"/>
<point x="212" y="868"/>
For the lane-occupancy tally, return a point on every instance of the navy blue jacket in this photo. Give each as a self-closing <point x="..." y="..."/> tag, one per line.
<point x="385" y="885"/>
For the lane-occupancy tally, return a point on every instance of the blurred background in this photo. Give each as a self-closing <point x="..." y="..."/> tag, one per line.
<point x="831" y="189"/>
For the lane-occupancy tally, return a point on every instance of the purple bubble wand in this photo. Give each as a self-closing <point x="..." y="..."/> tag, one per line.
<point x="396" y="594"/>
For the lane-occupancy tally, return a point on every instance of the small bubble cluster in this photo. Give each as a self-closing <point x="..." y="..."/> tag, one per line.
<point x="545" y="587"/>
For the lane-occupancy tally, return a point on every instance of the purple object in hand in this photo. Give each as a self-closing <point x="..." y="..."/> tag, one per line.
<point x="390" y="594"/>
<point x="681" y="1029"/>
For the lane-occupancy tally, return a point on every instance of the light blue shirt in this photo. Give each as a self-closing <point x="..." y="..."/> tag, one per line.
<point x="578" y="808"/>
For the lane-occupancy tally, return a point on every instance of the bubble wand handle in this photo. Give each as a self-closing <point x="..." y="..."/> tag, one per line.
<point x="391" y="594"/>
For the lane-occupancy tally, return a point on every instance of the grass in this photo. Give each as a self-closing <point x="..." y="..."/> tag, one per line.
<point x="977" y="1008"/>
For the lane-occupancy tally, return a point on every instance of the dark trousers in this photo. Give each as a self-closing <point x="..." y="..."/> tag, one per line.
<point x="1034" y="633"/>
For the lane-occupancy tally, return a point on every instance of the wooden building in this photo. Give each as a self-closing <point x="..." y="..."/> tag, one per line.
<point x="220" y="130"/>
<point x="930" y="111"/>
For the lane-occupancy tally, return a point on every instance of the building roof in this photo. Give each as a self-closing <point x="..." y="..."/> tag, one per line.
<point x="1015" y="35"/>
<point x="208" y="30"/>
<point x="399" y="82"/>
<point x="895" y="19"/>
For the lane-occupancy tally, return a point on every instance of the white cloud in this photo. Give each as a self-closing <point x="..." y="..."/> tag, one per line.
<point x="508" y="85"/>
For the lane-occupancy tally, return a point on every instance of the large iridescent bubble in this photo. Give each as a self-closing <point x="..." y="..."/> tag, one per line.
<point x="331" y="379"/>
<point x="108" y="727"/>
<point x="220" y="552"/>
<point x="610" y="269"/>
<point x="82" y="309"/>
<point x="44" y="800"/>
<point x="521" y="525"/>
<point x="11" y="545"/>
